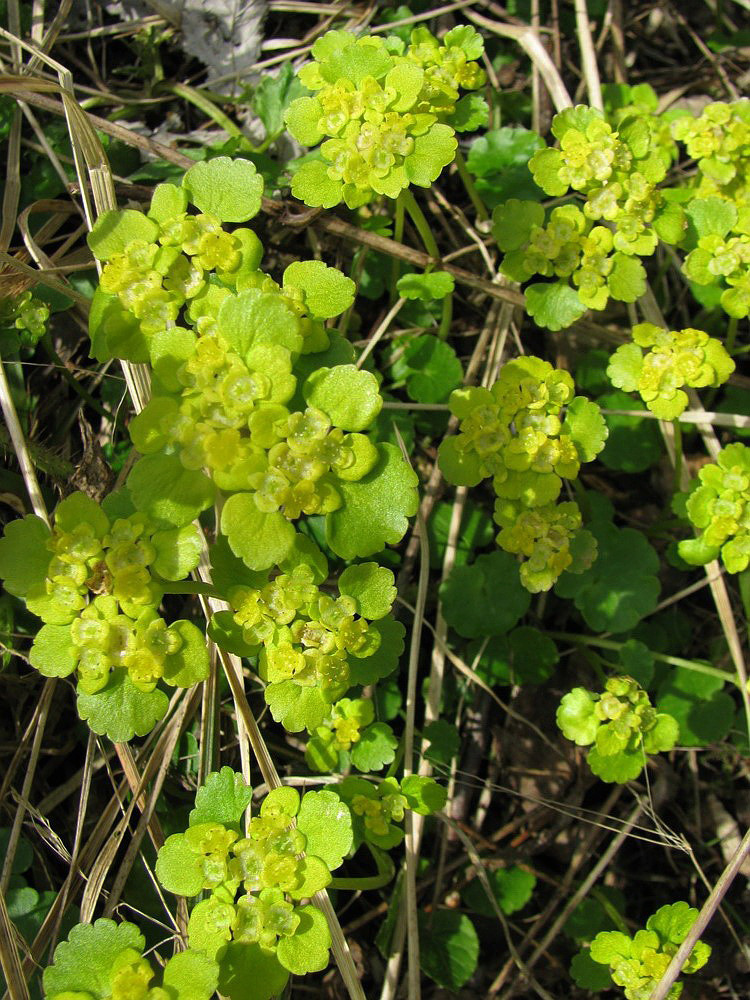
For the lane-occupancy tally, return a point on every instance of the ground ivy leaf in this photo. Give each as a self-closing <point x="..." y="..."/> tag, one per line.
<point x="120" y="710"/>
<point x="485" y="597"/>
<point x="553" y="305"/>
<point x="471" y="113"/>
<point x="326" y="291"/>
<point x="512" y="888"/>
<point x="115" y="229"/>
<point x="24" y="556"/>
<point x="349" y="395"/>
<point x="588" y="974"/>
<point x="627" y="279"/>
<point x="513" y="221"/>
<point x="372" y="587"/>
<point x="307" y="949"/>
<point x="222" y="798"/>
<point x="385" y="659"/>
<point x="375" y="509"/>
<point x="427" y="287"/>
<point x="260" y="540"/>
<point x="189" y="975"/>
<point x="53" y="653"/>
<point x="83" y="963"/>
<point x="327" y="823"/>
<point x="634" y="443"/>
<point x="499" y="162"/>
<point x="376" y="748"/>
<point x="431" y="368"/>
<point x="170" y="494"/>
<point x="449" y="947"/>
<point x="444" y="742"/>
<point x="431" y="152"/>
<point x="230" y="189"/>
<point x="167" y="201"/>
<point x="254" y="318"/>
<point x="190" y="664"/>
<point x="249" y="972"/>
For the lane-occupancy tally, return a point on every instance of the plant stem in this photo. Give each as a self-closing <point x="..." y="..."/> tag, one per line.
<point x="398" y="236"/>
<point x="468" y="182"/>
<point x="209" y="109"/>
<point x="386" y="871"/>
<point x="425" y="234"/>
<point x="731" y="333"/>
<point x="75" y="385"/>
<point x="677" y="456"/>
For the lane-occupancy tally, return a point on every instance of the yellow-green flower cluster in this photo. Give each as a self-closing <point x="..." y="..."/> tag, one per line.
<point x="385" y="114"/>
<point x="719" y="139"/>
<point x="720" y="509"/>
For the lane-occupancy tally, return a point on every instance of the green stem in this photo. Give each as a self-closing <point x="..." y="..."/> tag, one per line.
<point x="425" y="234"/>
<point x="386" y="871"/>
<point x="468" y="183"/>
<point x="75" y="385"/>
<point x="209" y="109"/>
<point x="677" y="455"/>
<point x="731" y="333"/>
<point x="674" y="661"/>
<point x="398" y="236"/>
<point x="188" y="587"/>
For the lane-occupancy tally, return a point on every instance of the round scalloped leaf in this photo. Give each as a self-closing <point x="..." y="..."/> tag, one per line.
<point x="703" y="711"/>
<point x="222" y="798"/>
<point x="485" y="597"/>
<point x="260" y="540"/>
<point x="120" y="710"/>
<point x="586" y="426"/>
<point x="461" y="468"/>
<point x="577" y="718"/>
<point x="427" y="287"/>
<point x="167" y="201"/>
<point x="189" y="975"/>
<point x="295" y="707"/>
<point x="190" y="664"/>
<point x="588" y="974"/>
<point x="315" y="876"/>
<point x="53" y="653"/>
<point x="619" y="767"/>
<point x="512" y="888"/>
<point x="178" y="551"/>
<point x="307" y="949"/>
<point x="471" y="112"/>
<point x="169" y="349"/>
<point x="424" y="795"/>
<point x="449" y="947"/>
<point x="376" y="747"/>
<point x="79" y="509"/>
<point x="170" y="494"/>
<point x="178" y="868"/>
<point x="432" y="151"/>
<point x="312" y="185"/>
<point x="115" y="332"/>
<point x="349" y="395"/>
<point x="371" y="586"/>
<point x="249" y="972"/>
<point x="114" y="230"/>
<point x="627" y="279"/>
<point x="633" y="443"/>
<point x="229" y="189"/>
<point x="226" y="633"/>
<point x="326" y="291"/>
<point x="252" y="318"/>
<point x="24" y="556"/>
<point x="513" y="221"/>
<point x="385" y="659"/>
<point x="711" y="216"/>
<point x="554" y="305"/>
<point x="431" y="368"/>
<point x="375" y="509"/>
<point x="327" y="823"/>
<point x="83" y="963"/>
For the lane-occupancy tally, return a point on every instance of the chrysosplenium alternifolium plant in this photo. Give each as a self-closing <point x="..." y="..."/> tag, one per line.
<point x="620" y="725"/>
<point x="386" y="113"/>
<point x="719" y="507"/>
<point x="638" y="963"/>
<point x="660" y="363"/>
<point x="529" y="433"/>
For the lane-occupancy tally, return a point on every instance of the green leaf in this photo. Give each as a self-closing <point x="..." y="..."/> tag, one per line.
<point x="179" y="868"/>
<point x="609" y="946"/>
<point x="190" y="664"/>
<point x="477" y="531"/>
<point x="249" y="972"/>
<point x="24" y="556"/>
<point x="513" y="221"/>
<point x="485" y="597"/>
<point x="260" y="540"/>
<point x="499" y="161"/>
<point x="620" y="767"/>
<point x="254" y="318"/>
<point x="53" y="653"/>
<point x="711" y="216"/>
<point x="222" y="798"/>
<point x="272" y="97"/>
<point x="449" y="947"/>
<point x="178" y="552"/>
<point x="229" y="189"/>
<point x="703" y="711"/>
<point x="120" y="710"/>
<point x="372" y="587"/>
<point x="114" y="230"/>
<point x="577" y="718"/>
<point x="327" y="823"/>
<point x="315" y="876"/>
<point x="554" y="306"/>
<point x="170" y="494"/>
<point x="167" y="202"/>
<point x="431" y="368"/>
<point x="385" y="659"/>
<point x="432" y="151"/>
<point x="312" y="185"/>
<point x="512" y="888"/>
<point x="347" y="394"/>
<point x="189" y="975"/>
<point x="637" y="661"/>
<point x="470" y="114"/>
<point x="169" y="349"/>
<point x="83" y="963"/>
<point x="585" y="424"/>
<point x="633" y="444"/>
<point x="376" y="748"/>
<point x="115" y="332"/>
<point x="326" y="291"/>
<point x="444" y="742"/>
<point x="228" y="571"/>
<point x="307" y="949"/>
<point x="424" y="795"/>
<point x="587" y="974"/>
<point x="627" y="279"/>
<point x="375" y="509"/>
<point x="295" y="707"/>
<point x="426" y="287"/>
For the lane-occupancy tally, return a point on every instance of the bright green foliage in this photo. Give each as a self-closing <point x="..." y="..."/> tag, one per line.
<point x="512" y="888"/>
<point x="104" y="961"/>
<point x="720" y="509"/>
<point x="427" y="365"/>
<point x="255" y="882"/>
<point x="97" y="582"/>
<point x="659" y="363"/>
<point x="449" y="947"/>
<point x="26" y="314"/>
<point x="378" y="808"/>
<point x="484" y="597"/>
<point x="637" y="963"/>
<point x="518" y="433"/>
<point x="705" y="713"/>
<point x="349" y="733"/>
<point x="386" y="113"/>
<point x="620" y="725"/>
<point x="719" y="139"/>
<point x="722" y="254"/>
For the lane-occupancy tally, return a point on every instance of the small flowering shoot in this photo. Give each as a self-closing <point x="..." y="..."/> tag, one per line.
<point x="383" y="113"/>
<point x="620" y="725"/>
<point x="637" y="963"/>
<point x="104" y="961"/>
<point x="96" y="580"/>
<point x="529" y="433"/>
<point x="378" y="810"/>
<point x="659" y="364"/>
<point x="719" y="508"/>
<point x="252" y="920"/>
<point x="25" y="316"/>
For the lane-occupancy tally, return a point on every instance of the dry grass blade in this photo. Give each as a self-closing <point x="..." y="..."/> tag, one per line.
<point x="11" y="966"/>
